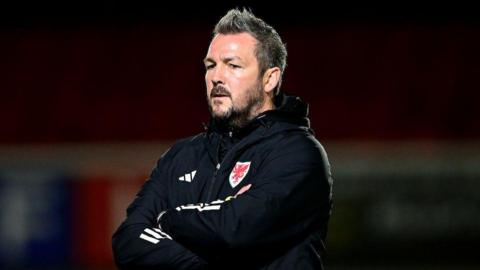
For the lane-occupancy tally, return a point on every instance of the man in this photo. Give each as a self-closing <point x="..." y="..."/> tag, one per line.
<point x="251" y="192"/>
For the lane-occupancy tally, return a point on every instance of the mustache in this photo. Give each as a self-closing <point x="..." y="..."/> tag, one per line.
<point x="219" y="91"/>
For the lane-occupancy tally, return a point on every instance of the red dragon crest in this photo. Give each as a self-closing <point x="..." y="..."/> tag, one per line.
<point x="238" y="173"/>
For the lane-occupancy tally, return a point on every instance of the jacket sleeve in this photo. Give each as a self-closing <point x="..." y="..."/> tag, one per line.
<point x="138" y="243"/>
<point x="290" y="198"/>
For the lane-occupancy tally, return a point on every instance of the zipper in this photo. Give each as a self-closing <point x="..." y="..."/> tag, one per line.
<point x="209" y="194"/>
<point x="217" y="167"/>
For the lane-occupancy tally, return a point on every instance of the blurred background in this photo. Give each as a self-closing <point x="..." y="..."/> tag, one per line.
<point x="92" y="93"/>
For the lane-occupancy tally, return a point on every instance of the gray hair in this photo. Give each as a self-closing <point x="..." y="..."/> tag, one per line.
<point x="270" y="50"/>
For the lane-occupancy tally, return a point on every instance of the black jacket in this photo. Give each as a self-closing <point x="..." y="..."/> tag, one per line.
<point x="279" y="223"/>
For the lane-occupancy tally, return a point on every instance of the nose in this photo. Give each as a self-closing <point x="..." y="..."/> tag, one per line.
<point x="217" y="76"/>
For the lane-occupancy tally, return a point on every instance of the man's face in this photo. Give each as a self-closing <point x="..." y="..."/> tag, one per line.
<point x="234" y="88"/>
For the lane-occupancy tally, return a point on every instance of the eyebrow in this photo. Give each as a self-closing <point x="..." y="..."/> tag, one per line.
<point x="226" y="59"/>
<point x="208" y="59"/>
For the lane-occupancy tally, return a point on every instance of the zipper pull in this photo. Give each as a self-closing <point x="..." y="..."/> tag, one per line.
<point x="218" y="166"/>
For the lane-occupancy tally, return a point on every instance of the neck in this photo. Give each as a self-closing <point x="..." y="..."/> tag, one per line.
<point x="266" y="106"/>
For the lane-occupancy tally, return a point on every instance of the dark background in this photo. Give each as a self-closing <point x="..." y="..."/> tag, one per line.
<point x="393" y="91"/>
<point x="113" y="70"/>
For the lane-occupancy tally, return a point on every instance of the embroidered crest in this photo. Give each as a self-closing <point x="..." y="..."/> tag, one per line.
<point x="238" y="173"/>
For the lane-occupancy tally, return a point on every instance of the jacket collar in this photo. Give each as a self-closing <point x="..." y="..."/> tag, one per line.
<point x="290" y="109"/>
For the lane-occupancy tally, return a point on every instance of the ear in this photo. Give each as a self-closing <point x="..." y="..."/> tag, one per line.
<point x="270" y="79"/>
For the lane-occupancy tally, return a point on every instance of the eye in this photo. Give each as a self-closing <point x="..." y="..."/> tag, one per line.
<point x="234" y="66"/>
<point x="210" y="66"/>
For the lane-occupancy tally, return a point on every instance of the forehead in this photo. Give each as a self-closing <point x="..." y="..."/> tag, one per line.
<point x="242" y="45"/>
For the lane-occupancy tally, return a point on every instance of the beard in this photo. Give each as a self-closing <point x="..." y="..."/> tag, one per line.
<point x="241" y="111"/>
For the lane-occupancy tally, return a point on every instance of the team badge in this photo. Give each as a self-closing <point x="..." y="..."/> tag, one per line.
<point x="238" y="173"/>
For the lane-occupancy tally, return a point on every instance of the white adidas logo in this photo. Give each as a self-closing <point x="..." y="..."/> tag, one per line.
<point x="154" y="236"/>
<point x="188" y="177"/>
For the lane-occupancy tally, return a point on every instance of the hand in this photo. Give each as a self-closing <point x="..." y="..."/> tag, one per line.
<point x="243" y="189"/>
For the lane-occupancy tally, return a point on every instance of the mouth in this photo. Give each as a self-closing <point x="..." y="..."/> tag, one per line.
<point x="220" y="96"/>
